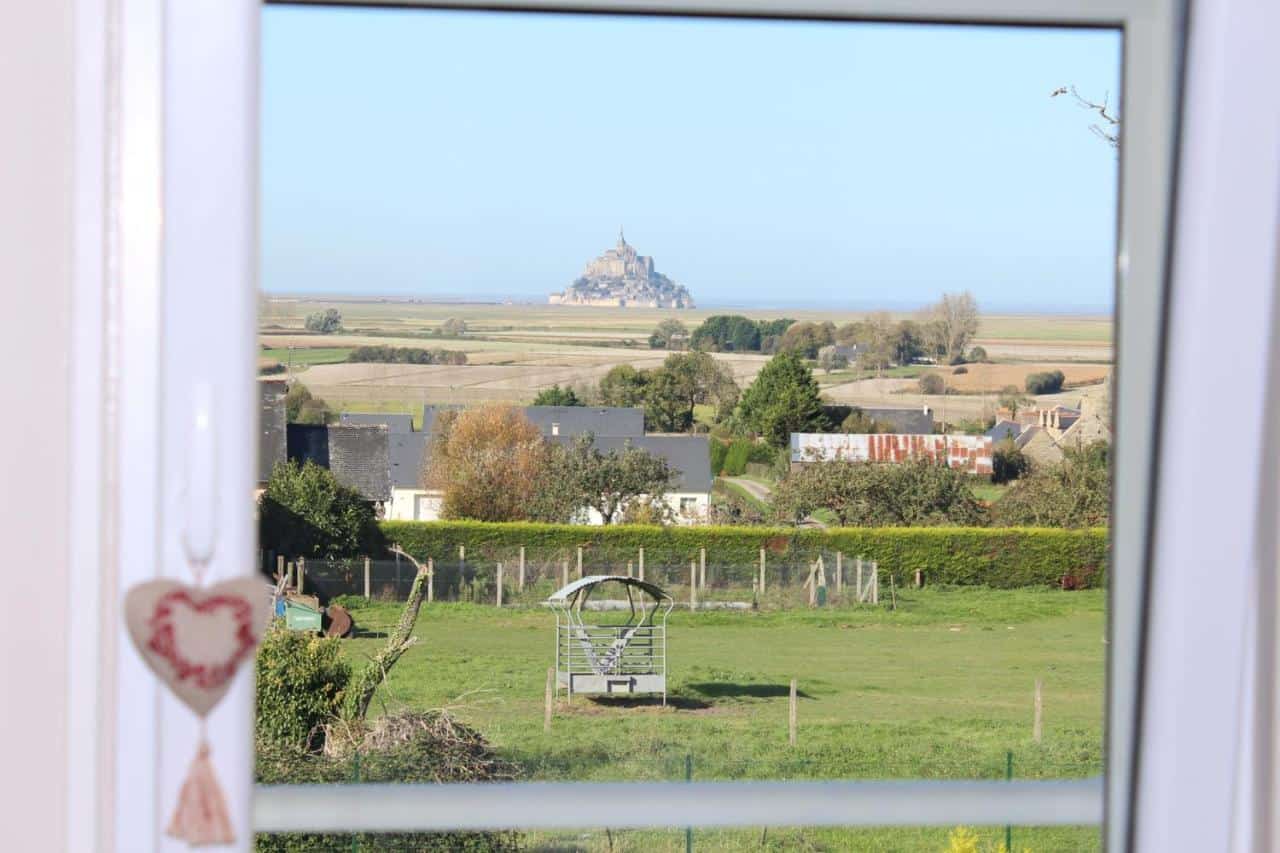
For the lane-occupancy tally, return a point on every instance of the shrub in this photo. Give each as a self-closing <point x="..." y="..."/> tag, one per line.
<point x="931" y="383"/>
<point x="735" y="461"/>
<point x="978" y="354"/>
<point x="325" y="322"/>
<point x="300" y="679"/>
<point x="718" y="451"/>
<point x="1049" y="382"/>
<point x="1005" y="557"/>
<point x="959" y="370"/>
<point x="1008" y="462"/>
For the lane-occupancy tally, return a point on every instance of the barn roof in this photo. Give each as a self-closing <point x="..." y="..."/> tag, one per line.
<point x="689" y="456"/>
<point x="395" y="424"/>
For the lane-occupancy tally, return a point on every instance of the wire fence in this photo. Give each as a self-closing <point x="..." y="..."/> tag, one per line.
<point x="529" y="575"/>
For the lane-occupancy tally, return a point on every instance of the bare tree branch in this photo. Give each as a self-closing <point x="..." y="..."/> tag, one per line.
<point x="1109" y="129"/>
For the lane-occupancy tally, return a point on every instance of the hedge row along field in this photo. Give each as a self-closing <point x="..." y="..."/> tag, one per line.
<point x="995" y="557"/>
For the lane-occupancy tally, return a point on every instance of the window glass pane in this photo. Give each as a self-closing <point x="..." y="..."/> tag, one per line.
<point x="711" y="399"/>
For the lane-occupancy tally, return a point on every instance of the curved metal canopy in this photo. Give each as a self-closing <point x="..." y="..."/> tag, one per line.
<point x="565" y="592"/>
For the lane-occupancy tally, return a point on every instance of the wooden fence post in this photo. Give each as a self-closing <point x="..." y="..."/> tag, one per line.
<point x="791" y="716"/>
<point x="630" y="569"/>
<point x="875" y="582"/>
<point x="642" y="563"/>
<point x="762" y="571"/>
<point x="302" y="573"/>
<point x="279" y="566"/>
<point x="919" y="579"/>
<point x="431" y="579"/>
<point x="839" y="572"/>
<point x="579" y="562"/>
<point x="366" y="578"/>
<point x="693" y="585"/>
<point x="520" y="580"/>
<point x="1037" y="725"/>
<point x="702" y="568"/>
<point x="564" y="570"/>
<point x="546" y="713"/>
<point x="857" y="566"/>
<point x="499" y="584"/>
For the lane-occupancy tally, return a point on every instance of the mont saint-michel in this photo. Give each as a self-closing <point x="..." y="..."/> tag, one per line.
<point x="621" y="278"/>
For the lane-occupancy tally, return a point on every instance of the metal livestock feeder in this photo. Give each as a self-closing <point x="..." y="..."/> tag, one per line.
<point x="626" y="657"/>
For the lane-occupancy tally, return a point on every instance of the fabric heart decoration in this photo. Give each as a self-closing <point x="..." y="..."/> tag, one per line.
<point x="194" y="639"/>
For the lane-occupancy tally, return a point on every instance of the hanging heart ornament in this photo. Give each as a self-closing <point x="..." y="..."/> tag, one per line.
<point x="195" y="638"/>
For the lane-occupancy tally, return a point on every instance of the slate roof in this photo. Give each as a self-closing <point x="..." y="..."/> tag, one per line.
<point x="407" y="453"/>
<point x="914" y="421"/>
<point x="395" y="424"/>
<point x="573" y="420"/>
<point x="272" y="440"/>
<point x="357" y="454"/>
<point x="1004" y="429"/>
<point x="688" y="455"/>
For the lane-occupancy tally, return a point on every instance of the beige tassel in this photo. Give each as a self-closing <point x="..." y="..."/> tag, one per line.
<point x="201" y="815"/>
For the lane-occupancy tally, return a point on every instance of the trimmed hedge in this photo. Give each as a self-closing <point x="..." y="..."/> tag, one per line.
<point x="1003" y="557"/>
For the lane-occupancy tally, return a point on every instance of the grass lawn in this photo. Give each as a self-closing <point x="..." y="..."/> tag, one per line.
<point x="990" y="492"/>
<point x="941" y="688"/>
<point x="306" y="356"/>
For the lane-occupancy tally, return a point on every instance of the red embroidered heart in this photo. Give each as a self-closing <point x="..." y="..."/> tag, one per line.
<point x="195" y="638"/>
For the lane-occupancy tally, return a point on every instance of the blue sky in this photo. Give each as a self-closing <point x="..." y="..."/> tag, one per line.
<point x="771" y="163"/>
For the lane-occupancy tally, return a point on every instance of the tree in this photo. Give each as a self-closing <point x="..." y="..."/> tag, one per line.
<point x="609" y="482"/>
<point x="300" y="407"/>
<point x="805" y="339"/>
<point x="1013" y="399"/>
<point x="325" y="322"/>
<point x="950" y="324"/>
<point x="829" y="359"/>
<point x="977" y="355"/>
<point x="453" y="328"/>
<point x="488" y="461"/>
<point x="783" y="399"/>
<point x="669" y="333"/>
<point x="624" y="386"/>
<point x="1008" y="463"/>
<point x="683" y="382"/>
<point x="727" y="333"/>
<point x="1047" y="382"/>
<point x="305" y="511"/>
<point x="918" y="493"/>
<point x="906" y="342"/>
<point x="1074" y="493"/>
<point x="858" y="423"/>
<point x="932" y="383"/>
<point x="557" y="396"/>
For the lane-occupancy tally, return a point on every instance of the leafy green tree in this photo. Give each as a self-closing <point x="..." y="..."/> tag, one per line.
<point x="305" y="511"/>
<point x="684" y="381"/>
<point x="977" y="355"/>
<point x="557" y="396"/>
<point x="918" y="493"/>
<point x="453" y="327"/>
<point x="300" y="407"/>
<point x="624" y="386"/>
<point x="1008" y="463"/>
<point x="325" y="322"/>
<point x="783" y="399"/>
<point x="727" y="333"/>
<point x="1048" y="382"/>
<point x="488" y="461"/>
<point x="805" y="339"/>
<point x="1074" y="493"/>
<point x="608" y="482"/>
<point x="669" y="333"/>
<point x="906" y="342"/>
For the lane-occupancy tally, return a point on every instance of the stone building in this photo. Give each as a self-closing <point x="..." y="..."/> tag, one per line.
<point x="623" y="278"/>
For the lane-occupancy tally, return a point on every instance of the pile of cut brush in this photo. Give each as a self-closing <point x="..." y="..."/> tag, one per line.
<point x="427" y="747"/>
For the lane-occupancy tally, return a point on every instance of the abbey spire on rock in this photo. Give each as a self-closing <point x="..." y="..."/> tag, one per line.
<point x="621" y="278"/>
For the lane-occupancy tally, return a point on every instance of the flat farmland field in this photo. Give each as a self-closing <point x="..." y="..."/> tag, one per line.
<point x="516" y="350"/>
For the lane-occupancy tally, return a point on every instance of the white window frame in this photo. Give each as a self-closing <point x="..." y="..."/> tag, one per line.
<point x="167" y="174"/>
